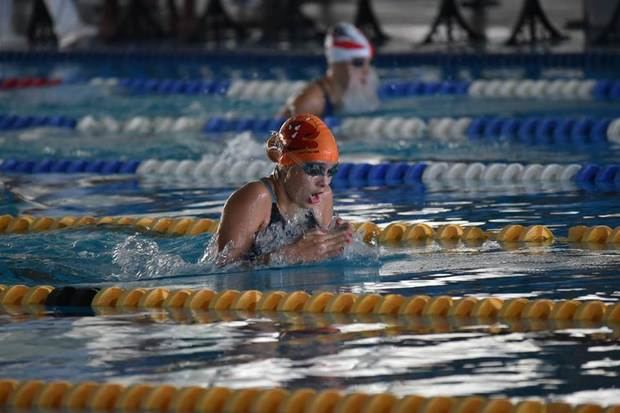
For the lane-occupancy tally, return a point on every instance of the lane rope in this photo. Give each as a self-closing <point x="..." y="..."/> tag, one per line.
<point x="251" y="89"/>
<point x="349" y="174"/>
<point x="95" y="396"/>
<point x="417" y="324"/>
<point x="390" y="234"/>
<point x="163" y="225"/>
<point x="530" y="130"/>
<point x="583" y="89"/>
<point x="396" y="305"/>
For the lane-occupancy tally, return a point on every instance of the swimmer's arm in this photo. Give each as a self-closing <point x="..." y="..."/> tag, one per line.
<point x="245" y="212"/>
<point x="310" y="100"/>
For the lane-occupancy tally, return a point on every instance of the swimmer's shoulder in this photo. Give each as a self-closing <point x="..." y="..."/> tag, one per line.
<point x="317" y="89"/>
<point x="311" y="99"/>
<point x="246" y="212"/>
<point x="253" y="195"/>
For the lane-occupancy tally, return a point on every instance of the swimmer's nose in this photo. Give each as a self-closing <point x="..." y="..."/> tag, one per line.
<point x="364" y="76"/>
<point x="322" y="181"/>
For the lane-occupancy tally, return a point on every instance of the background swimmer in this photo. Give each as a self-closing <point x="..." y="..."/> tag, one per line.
<point x="288" y="216"/>
<point x="350" y="83"/>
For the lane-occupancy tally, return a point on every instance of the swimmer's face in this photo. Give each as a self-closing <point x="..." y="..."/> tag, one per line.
<point x="308" y="183"/>
<point x="359" y="68"/>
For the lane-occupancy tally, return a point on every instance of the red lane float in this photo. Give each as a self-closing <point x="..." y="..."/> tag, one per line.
<point x="27" y="82"/>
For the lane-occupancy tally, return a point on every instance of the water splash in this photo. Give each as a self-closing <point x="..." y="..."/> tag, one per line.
<point x="243" y="147"/>
<point x="276" y="236"/>
<point x="361" y="97"/>
<point x="221" y="259"/>
<point x="362" y="253"/>
<point x="268" y="240"/>
<point x="140" y="258"/>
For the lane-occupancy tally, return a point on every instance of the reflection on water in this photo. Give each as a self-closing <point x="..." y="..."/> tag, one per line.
<point x="292" y="350"/>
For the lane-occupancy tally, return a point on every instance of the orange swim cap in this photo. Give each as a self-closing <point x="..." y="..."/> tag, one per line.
<point x="303" y="138"/>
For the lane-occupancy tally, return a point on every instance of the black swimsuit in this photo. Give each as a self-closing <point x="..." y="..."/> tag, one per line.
<point x="278" y="231"/>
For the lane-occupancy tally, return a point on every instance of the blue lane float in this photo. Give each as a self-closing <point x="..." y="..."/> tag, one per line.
<point x="218" y="124"/>
<point x="541" y="130"/>
<point x="396" y="89"/>
<point x="15" y="122"/>
<point x="602" y="89"/>
<point x="142" y="86"/>
<point x="67" y="166"/>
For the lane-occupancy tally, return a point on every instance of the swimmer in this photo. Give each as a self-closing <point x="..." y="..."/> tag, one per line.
<point x="350" y="83"/>
<point x="287" y="217"/>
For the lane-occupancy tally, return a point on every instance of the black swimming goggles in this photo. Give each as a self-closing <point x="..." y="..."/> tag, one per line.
<point x="358" y="62"/>
<point x="319" y="169"/>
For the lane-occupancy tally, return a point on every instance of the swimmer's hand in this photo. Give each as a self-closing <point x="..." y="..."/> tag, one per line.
<point x="315" y="246"/>
<point x="340" y="224"/>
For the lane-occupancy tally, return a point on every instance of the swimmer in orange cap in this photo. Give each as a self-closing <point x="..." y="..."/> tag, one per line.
<point x="350" y="83"/>
<point x="287" y="217"/>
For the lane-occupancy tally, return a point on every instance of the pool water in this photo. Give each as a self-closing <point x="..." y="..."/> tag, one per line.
<point x="575" y="363"/>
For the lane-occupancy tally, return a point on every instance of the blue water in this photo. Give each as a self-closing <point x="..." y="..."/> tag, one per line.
<point x="574" y="364"/>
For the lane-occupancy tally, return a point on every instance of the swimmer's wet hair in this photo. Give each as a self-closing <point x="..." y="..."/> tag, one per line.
<point x="273" y="146"/>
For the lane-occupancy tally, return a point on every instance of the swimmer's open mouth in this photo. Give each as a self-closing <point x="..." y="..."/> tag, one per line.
<point x="315" y="198"/>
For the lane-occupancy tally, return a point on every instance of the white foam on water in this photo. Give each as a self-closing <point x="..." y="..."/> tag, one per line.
<point x="274" y="237"/>
<point x="140" y="258"/>
<point x="242" y="147"/>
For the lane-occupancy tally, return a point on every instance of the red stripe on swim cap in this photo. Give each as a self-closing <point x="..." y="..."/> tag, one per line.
<point x="347" y="44"/>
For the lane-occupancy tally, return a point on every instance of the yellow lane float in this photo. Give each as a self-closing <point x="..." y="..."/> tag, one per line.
<point x="138" y="397"/>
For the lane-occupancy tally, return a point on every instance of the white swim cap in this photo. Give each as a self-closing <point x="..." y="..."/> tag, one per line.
<point x="344" y="42"/>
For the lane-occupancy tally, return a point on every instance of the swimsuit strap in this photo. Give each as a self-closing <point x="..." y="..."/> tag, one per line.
<point x="323" y="88"/>
<point x="267" y="182"/>
<point x="329" y="105"/>
<point x="275" y="215"/>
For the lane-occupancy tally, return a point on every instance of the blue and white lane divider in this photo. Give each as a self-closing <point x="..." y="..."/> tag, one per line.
<point x="584" y="89"/>
<point x="534" y="130"/>
<point x="573" y="89"/>
<point x="389" y="173"/>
